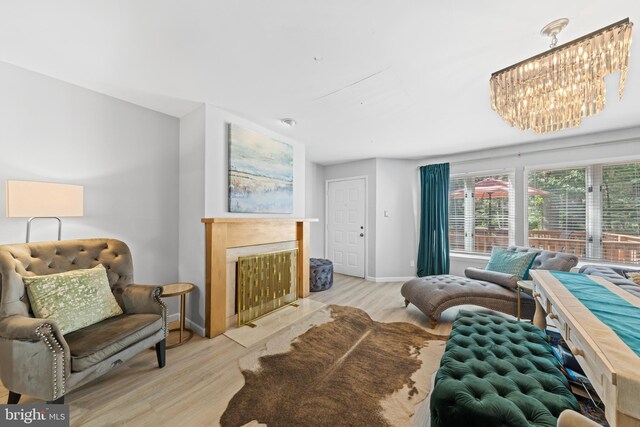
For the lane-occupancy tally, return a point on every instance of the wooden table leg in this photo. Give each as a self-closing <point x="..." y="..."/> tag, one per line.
<point x="182" y="314"/>
<point x="540" y="316"/>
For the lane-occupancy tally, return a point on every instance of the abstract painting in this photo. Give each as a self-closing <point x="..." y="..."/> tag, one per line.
<point x="260" y="173"/>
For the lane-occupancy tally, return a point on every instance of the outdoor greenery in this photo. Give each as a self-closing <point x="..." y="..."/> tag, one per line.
<point x="558" y="210"/>
<point x="621" y="199"/>
<point x="564" y="208"/>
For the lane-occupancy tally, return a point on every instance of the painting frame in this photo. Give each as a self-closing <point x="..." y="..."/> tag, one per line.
<point x="260" y="172"/>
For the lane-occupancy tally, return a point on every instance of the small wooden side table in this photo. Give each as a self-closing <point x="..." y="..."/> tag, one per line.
<point x="526" y="286"/>
<point x="173" y="290"/>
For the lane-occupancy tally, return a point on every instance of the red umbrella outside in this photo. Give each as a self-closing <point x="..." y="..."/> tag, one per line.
<point x="492" y="187"/>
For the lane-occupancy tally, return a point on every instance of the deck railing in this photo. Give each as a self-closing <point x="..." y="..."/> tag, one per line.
<point x="616" y="247"/>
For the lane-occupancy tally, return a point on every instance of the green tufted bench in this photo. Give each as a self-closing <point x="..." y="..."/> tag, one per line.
<point x="498" y="372"/>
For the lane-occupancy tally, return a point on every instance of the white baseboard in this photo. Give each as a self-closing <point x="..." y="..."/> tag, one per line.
<point x="197" y="329"/>
<point x="388" y="279"/>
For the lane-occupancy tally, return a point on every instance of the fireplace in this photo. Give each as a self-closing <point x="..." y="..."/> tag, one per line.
<point x="264" y="283"/>
<point x="229" y="239"/>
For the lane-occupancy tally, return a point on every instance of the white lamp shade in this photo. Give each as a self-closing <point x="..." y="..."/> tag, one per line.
<point x="27" y="199"/>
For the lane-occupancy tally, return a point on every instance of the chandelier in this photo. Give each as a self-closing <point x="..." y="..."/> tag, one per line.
<point x="556" y="89"/>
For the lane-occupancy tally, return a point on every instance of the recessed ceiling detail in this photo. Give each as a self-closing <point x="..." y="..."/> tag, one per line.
<point x="288" y="122"/>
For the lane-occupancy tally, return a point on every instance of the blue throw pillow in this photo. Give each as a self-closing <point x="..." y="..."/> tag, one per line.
<point x="511" y="262"/>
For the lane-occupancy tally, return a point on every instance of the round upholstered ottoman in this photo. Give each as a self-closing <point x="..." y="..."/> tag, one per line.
<point x="321" y="274"/>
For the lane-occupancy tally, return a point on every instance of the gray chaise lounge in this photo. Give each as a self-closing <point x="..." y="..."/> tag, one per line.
<point x="496" y="291"/>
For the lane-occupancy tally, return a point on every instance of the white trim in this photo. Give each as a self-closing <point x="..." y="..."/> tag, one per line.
<point x="468" y="255"/>
<point x="197" y="329"/>
<point x="511" y="173"/>
<point x="532" y="146"/>
<point x="389" y="279"/>
<point x="524" y="189"/>
<point x="474" y="259"/>
<point x="503" y="171"/>
<point x="366" y="217"/>
<point x="617" y="160"/>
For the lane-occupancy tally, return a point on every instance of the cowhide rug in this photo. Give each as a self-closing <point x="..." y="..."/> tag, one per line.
<point x="349" y="370"/>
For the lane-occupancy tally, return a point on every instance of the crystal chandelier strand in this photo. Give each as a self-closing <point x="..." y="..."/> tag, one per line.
<point x="554" y="90"/>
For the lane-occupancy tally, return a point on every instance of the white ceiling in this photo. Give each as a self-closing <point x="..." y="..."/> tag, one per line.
<point x="398" y="79"/>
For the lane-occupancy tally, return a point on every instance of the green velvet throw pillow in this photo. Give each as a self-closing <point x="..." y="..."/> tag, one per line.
<point x="511" y="262"/>
<point x="74" y="299"/>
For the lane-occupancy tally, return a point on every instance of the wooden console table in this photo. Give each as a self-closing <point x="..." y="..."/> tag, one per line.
<point x="611" y="366"/>
<point x="225" y="233"/>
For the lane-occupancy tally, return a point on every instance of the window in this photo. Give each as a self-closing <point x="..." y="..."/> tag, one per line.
<point x="592" y="212"/>
<point x="557" y="210"/>
<point x="481" y="211"/>
<point x="620" y="193"/>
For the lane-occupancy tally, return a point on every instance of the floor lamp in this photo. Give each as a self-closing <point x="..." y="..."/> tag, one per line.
<point x="43" y="200"/>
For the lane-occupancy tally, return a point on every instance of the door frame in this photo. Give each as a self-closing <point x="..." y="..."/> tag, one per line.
<point x="366" y="217"/>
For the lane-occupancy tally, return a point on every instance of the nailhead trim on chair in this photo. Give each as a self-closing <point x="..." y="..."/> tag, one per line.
<point x="156" y="297"/>
<point x="45" y="332"/>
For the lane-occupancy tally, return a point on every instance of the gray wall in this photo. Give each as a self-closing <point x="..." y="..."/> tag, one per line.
<point x="391" y="239"/>
<point x="204" y="191"/>
<point x="192" y="195"/>
<point x="394" y="187"/>
<point x="396" y="233"/>
<point x="314" y="206"/>
<point x="356" y="169"/>
<point x="614" y="146"/>
<point x="217" y="169"/>
<point x="125" y="156"/>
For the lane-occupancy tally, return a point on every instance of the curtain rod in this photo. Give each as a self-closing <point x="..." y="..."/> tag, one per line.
<point x="519" y="154"/>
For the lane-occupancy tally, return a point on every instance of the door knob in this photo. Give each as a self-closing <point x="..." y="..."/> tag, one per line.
<point x="361" y="234"/>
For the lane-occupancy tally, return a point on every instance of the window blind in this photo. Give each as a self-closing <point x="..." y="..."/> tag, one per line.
<point x="620" y="203"/>
<point x="557" y="210"/>
<point x="481" y="212"/>
<point x="456" y="214"/>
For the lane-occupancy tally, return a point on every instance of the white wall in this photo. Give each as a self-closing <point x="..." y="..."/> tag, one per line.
<point x="204" y="191"/>
<point x="356" y="169"/>
<point x="192" y="194"/>
<point x="393" y="240"/>
<point x="125" y="156"/>
<point x="216" y="165"/>
<point x="396" y="233"/>
<point x="314" y="206"/>
<point x="614" y="146"/>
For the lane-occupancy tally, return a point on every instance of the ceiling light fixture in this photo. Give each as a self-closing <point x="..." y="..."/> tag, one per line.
<point x="288" y="122"/>
<point x="557" y="88"/>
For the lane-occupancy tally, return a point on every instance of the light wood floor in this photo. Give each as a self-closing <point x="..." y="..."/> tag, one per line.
<point x="202" y="375"/>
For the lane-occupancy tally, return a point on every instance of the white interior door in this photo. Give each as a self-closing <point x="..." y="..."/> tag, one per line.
<point x="346" y="206"/>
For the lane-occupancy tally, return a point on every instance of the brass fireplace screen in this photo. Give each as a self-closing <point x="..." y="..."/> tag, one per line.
<point x="266" y="282"/>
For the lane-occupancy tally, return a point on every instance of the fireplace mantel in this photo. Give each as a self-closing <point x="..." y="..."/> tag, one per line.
<point x="225" y="233"/>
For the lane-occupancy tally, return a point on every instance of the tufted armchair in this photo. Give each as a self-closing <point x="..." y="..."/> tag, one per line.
<point x="36" y="359"/>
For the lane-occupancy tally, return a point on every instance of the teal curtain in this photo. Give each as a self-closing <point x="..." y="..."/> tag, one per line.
<point x="433" y="250"/>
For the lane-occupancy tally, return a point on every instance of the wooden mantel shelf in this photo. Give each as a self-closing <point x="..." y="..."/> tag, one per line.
<point x="210" y="220"/>
<point x="224" y="233"/>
